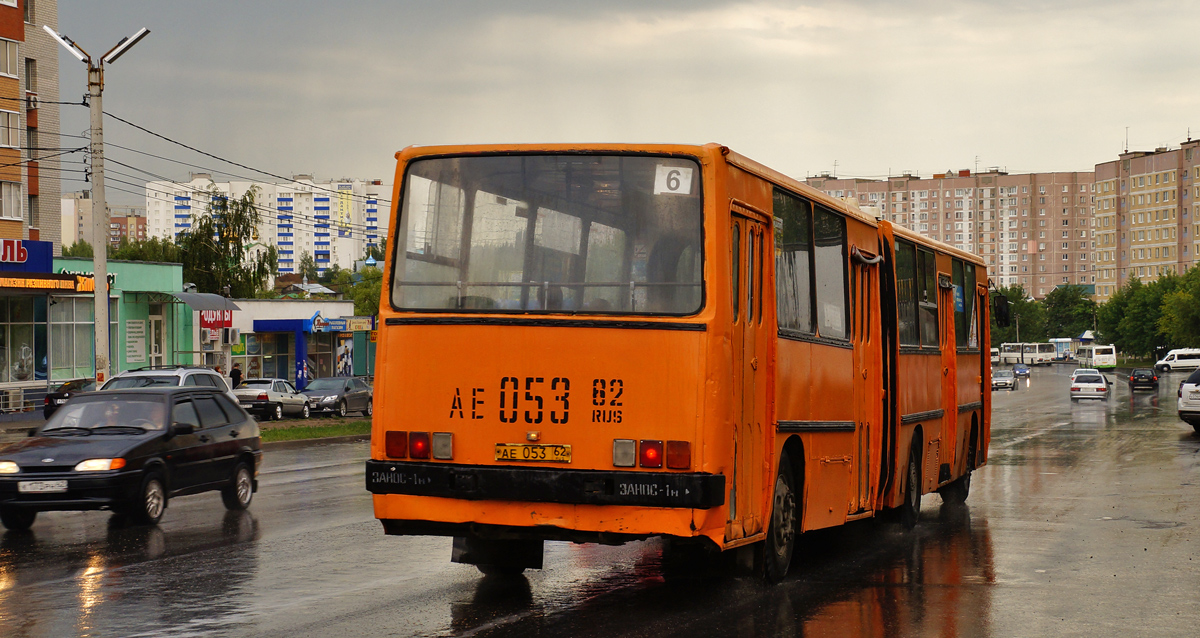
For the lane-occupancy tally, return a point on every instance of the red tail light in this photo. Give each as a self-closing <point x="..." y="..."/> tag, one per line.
<point x="1104" y="389"/>
<point x="262" y="396"/>
<point x="679" y="455"/>
<point x="395" y="444"/>
<point x="1131" y="379"/>
<point x="651" y="454"/>
<point x="418" y="445"/>
<point x="1074" y="389"/>
<point x="46" y="401"/>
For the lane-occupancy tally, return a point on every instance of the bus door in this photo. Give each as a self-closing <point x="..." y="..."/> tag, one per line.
<point x="864" y="286"/>
<point x="749" y="378"/>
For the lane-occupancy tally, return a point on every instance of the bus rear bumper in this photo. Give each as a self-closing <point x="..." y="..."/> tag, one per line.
<point x="546" y="485"/>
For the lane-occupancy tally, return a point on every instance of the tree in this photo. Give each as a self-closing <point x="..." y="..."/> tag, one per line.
<point x="1138" y="326"/>
<point x="217" y="254"/>
<point x="308" y="267"/>
<point x="1027" y="316"/>
<point x="1109" y="315"/>
<point x="1180" y="318"/>
<point x="78" y="249"/>
<point x="1069" y="311"/>
<point x="153" y="249"/>
<point x="366" y="291"/>
<point x="375" y="252"/>
<point x="332" y="273"/>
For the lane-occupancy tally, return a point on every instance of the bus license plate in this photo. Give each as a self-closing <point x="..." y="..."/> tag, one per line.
<point x="41" y="487"/>
<point x="533" y="452"/>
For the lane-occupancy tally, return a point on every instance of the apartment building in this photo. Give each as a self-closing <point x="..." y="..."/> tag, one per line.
<point x="1145" y="215"/>
<point x="126" y="222"/>
<point x="1032" y="229"/>
<point x="29" y="183"/>
<point x="76" y="223"/>
<point x="334" y="221"/>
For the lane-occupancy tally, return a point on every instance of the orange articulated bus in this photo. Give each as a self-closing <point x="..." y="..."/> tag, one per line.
<point x="589" y="343"/>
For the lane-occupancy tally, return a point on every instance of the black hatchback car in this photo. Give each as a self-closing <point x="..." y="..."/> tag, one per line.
<point x="1143" y="378"/>
<point x="130" y="451"/>
<point x="63" y="392"/>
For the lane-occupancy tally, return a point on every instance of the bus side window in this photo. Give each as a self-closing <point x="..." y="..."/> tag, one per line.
<point x="749" y="275"/>
<point x="927" y="298"/>
<point x="829" y="231"/>
<point x="736" y="274"/>
<point x="793" y="263"/>
<point x="906" y="293"/>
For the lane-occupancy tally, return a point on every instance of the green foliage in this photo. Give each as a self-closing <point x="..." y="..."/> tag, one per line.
<point x="78" y="249"/>
<point x="1179" y="322"/>
<point x="1028" y="318"/>
<point x="332" y="274"/>
<point x="153" y="249"/>
<point x="217" y="253"/>
<point x="366" y="291"/>
<point x="308" y="267"/>
<point x="1069" y="311"/>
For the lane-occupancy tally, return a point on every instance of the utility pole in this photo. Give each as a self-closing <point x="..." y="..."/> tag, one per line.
<point x="100" y="213"/>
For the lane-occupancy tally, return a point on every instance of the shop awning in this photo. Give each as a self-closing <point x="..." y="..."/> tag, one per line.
<point x="205" y="301"/>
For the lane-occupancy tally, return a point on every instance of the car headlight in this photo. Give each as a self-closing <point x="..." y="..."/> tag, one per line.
<point x="9" y="467"/>
<point x="329" y="399"/>
<point x="100" y="465"/>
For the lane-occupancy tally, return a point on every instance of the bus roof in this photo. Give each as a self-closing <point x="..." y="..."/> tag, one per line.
<point x="710" y="150"/>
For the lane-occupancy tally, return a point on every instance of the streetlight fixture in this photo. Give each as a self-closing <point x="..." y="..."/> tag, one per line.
<point x="100" y="215"/>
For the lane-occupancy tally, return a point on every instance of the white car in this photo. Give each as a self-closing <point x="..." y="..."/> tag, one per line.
<point x="1089" y="386"/>
<point x="169" y="376"/>
<point x="1004" y="379"/>
<point x="1079" y="371"/>
<point x="1189" y="400"/>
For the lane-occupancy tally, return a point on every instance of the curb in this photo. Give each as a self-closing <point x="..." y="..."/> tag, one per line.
<point x="298" y="443"/>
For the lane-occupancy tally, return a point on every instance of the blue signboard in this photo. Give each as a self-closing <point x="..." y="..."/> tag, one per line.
<point x="958" y="299"/>
<point x="26" y="255"/>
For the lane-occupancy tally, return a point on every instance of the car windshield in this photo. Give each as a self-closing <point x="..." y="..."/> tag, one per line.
<point x="1143" y="372"/>
<point x="1088" y="378"/>
<point x="1003" y="373"/>
<point x="101" y="411"/>
<point x="257" y="383"/>
<point x="1020" y="367"/>
<point x="1194" y="378"/>
<point x="551" y="233"/>
<point x="327" y="385"/>
<point x="77" y="385"/>
<point x="124" y="383"/>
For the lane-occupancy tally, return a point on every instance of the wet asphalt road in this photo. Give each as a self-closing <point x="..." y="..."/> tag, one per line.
<point x="1083" y="523"/>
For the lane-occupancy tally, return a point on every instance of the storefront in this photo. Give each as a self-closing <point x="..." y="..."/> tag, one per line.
<point x="148" y="324"/>
<point x="293" y="339"/>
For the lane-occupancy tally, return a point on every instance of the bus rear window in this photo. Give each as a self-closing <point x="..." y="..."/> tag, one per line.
<point x="607" y="234"/>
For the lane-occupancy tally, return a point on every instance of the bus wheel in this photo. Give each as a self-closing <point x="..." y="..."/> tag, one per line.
<point x="776" y="551"/>
<point x="910" y="510"/>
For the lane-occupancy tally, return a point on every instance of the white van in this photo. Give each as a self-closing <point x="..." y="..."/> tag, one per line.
<point x="1181" y="359"/>
<point x="995" y="355"/>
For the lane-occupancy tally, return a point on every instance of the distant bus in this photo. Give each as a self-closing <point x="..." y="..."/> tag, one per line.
<point x="1030" y="353"/>
<point x="1099" y="357"/>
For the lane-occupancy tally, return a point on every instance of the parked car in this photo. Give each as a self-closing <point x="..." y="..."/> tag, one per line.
<point x="1020" y="370"/>
<point x="1189" y="400"/>
<point x="1089" y="386"/>
<point x="1143" y="378"/>
<point x="197" y="376"/>
<point x="340" y="395"/>
<point x="63" y="392"/>
<point x="118" y="450"/>
<point x="272" y="398"/>
<point x="1004" y="379"/>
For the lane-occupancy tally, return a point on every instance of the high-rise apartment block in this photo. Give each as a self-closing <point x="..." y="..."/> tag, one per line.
<point x="29" y="183"/>
<point x="1032" y="229"/>
<point x="334" y="221"/>
<point x="1146" y="215"/>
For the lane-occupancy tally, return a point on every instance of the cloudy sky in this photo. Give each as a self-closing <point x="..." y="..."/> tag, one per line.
<point x="877" y="86"/>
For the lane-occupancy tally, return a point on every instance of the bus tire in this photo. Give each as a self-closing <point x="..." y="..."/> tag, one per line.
<point x="775" y="552"/>
<point x="910" y="509"/>
<point x="956" y="492"/>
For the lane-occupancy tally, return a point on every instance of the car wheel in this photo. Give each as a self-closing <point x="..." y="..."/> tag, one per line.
<point x="240" y="491"/>
<point x="370" y="407"/>
<point x="17" y="518"/>
<point x="775" y="552"/>
<point x="152" y="500"/>
<point x="278" y="413"/>
<point x="1166" y="368"/>
<point x="910" y="510"/>
<point x="342" y="408"/>
<point x="304" y="413"/>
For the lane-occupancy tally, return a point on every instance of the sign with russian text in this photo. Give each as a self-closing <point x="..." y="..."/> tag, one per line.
<point x="135" y="341"/>
<point x="216" y="318"/>
<point x="26" y="255"/>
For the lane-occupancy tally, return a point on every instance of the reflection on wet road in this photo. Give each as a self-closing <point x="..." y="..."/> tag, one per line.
<point x="1082" y="523"/>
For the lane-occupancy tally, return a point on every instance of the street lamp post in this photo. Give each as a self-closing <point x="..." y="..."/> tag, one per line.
<point x="100" y="218"/>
